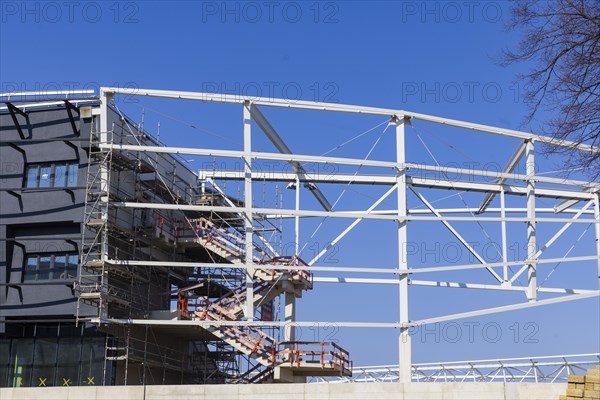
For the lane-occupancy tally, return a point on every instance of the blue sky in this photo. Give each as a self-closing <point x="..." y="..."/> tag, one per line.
<point x="430" y="57"/>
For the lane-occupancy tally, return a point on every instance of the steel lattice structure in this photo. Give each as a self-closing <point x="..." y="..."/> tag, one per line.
<point x="551" y="369"/>
<point x="402" y="179"/>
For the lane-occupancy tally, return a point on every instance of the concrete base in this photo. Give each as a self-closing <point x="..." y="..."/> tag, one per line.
<point x="297" y="391"/>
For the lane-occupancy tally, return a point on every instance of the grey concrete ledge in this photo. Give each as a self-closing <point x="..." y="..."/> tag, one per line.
<point x="297" y="391"/>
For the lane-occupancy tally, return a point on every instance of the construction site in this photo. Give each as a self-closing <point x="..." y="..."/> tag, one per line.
<point x="122" y="265"/>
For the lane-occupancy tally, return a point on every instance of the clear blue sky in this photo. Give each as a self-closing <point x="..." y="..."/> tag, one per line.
<point x="430" y="57"/>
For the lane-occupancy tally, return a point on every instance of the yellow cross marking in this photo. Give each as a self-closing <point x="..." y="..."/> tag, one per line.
<point x="90" y="380"/>
<point x="66" y="381"/>
<point x="42" y="381"/>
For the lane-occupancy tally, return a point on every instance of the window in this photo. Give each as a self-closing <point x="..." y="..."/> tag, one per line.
<point x="32" y="174"/>
<point x="72" y="265"/>
<point x="44" y="266"/>
<point x="58" y="174"/>
<point x="51" y="266"/>
<point x="72" y="169"/>
<point x="42" y="360"/>
<point x="45" y="175"/>
<point x="31" y="269"/>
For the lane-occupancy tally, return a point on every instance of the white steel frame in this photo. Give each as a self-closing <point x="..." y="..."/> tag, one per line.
<point x="550" y="369"/>
<point x="400" y="180"/>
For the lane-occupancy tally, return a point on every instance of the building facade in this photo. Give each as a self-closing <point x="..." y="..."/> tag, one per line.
<point x="69" y="303"/>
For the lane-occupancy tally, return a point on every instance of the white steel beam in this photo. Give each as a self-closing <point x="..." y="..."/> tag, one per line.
<point x="255" y="154"/>
<point x="491" y="210"/>
<point x="531" y="228"/>
<point x="503" y="232"/>
<point x="509" y="168"/>
<point x="455" y="233"/>
<point x="495" y="310"/>
<point x="501" y="131"/>
<point x="470" y="210"/>
<point x="462" y="285"/>
<point x="373" y="179"/>
<point x="310" y="177"/>
<point x="443" y="171"/>
<point x="565" y="204"/>
<point x="105" y="99"/>
<point x="207" y="324"/>
<point x="248" y="215"/>
<point x="334" y="214"/>
<point x="367" y="270"/>
<point x="322" y="106"/>
<point x="404" y="339"/>
<point x="440" y="183"/>
<point x="47" y="93"/>
<point x="261" y="101"/>
<point x="445" y="284"/>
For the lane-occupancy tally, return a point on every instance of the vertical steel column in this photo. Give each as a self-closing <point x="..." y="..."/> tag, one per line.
<point x="597" y="223"/>
<point x="248" y="217"/>
<point x="105" y="98"/>
<point x="404" y="340"/>
<point x="297" y="218"/>
<point x="531" y="236"/>
<point x="504" y="250"/>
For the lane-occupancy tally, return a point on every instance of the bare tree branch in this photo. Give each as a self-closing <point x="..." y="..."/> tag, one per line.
<point x="561" y="38"/>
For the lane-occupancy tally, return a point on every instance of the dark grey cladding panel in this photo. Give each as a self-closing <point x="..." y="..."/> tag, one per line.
<point x="24" y="206"/>
<point x="42" y="124"/>
<point x="38" y="152"/>
<point x="33" y="220"/>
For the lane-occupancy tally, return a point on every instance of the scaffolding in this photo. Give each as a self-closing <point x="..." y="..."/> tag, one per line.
<point x="118" y="278"/>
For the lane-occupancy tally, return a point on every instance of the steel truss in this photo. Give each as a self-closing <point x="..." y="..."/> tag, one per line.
<point x="404" y="177"/>
<point x="552" y="369"/>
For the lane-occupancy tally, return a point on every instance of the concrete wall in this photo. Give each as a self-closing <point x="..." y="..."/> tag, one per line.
<point x="346" y="391"/>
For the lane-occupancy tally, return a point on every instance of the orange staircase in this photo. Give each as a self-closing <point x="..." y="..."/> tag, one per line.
<point x="275" y="361"/>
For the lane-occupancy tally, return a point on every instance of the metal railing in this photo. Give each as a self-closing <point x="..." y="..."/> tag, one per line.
<point x="548" y="369"/>
<point x="327" y="355"/>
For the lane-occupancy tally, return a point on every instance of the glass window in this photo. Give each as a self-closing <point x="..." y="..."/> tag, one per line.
<point x="4" y="361"/>
<point x="52" y="175"/>
<point x="44" y="362"/>
<point x="21" y="360"/>
<point x="51" y="266"/>
<point x="44" y="269"/>
<point x="45" y="175"/>
<point x="60" y="267"/>
<point x="72" y="266"/>
<point x="32" y="176"/>
<point x="92" y="361"/>
<point x="60" y="175"/>
<point x="30" y="273"/>
<point x="69" y="355"/>
<point x="72" y="174"/>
